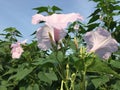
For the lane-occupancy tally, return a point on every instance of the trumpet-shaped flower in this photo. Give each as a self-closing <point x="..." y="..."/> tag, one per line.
<point x="101" y="42"/>
<point x="54" y="28"/>
<point x="58" y="21"/>
<point x="47" y="35"/>
<point x="17" y="49"/>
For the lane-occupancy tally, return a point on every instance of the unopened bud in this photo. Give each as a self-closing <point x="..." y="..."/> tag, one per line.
<point x="76" y="43"/>
<point x="51" y="38"/>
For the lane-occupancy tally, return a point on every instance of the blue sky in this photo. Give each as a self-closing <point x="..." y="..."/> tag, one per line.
<point x="18" y="13"/>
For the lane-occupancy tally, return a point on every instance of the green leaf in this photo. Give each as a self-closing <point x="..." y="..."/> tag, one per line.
<point x="98" y="81"/>
<point x="1" y="68"/>
<point x="3" y="88"/>
<point x="55" y="8"/>
<point x="47" y="77"/>
<point x="94" y="0"/>
<point x="60" y="56"/>
<point x="33" y="33"/>
<point x="116" y="86"/>
<point x="102" y="68"/>
<point x="42" y="61"/>
<point x="115" y="63"/>
<point x="93" y="19"/>
<point x="22" y="88"/>
<point x="36" y="87"/>
<point x="116" y="33"/>
<point x="29" y="87"/>
<point x="112" y="25"/>
<point x="3" y="85"/>
<point x="21" y="73"/>
<point x="10" y="71"/>
<point x="10" y="29"/>
<point x="41" y="9"/>
<point x="92" y="26"/>
<point x="95" y="12"/>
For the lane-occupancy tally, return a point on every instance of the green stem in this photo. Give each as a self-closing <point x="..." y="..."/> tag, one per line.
<point x="61" y="88"/>
<point x="66" y="85"/>
<point x="73" y="77"/>
<point x="83" y="85"/>
<point x="83" y="78"/>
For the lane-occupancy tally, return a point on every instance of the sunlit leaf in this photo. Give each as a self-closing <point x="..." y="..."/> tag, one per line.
<point x="100" y="80"/>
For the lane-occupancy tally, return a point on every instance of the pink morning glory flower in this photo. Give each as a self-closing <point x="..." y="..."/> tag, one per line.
<point x="54" y="26"/>
<point x="101" y="42"/>
<point x="58" y="21"/>
<point x="43" y="36"/>
<point x="17" y="50"/>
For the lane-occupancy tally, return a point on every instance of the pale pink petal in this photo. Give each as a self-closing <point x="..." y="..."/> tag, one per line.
<point x="44" y="44"/>
<point x="101" y="42"/>
<point x="15" y="44"/>
<point x="44" y="41"/>
<point x="16" y="50"/>
<point x="58" y="21"/>
<point x="103" y="53"/>
<point x="37" y="18"/>
<point x="59" y="34"/>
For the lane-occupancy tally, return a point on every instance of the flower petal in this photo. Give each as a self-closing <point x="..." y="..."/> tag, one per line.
<point x="44" y="41"/>
<point x="59" y="34"/>
<point x="37" y="18"/>
<point x="100" y="42"/>
<point x="58" y="21"/>
<point x="16" y="50"/>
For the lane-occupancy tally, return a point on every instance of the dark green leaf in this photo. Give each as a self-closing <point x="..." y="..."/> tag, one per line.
<point x="55" y="8"/>
<point x="93" y="19"/>
<point x="33" y="33"/>
<point x="10" y="29"/>
<point x="112" y="25"/>
<point x="41" y="9"/>
<point x="117" y="7"/>
<point x="92" y="26"/>
<point x="95" y="12"/>
<point x="116" y="33"/>
<point x="94" y="0"/>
